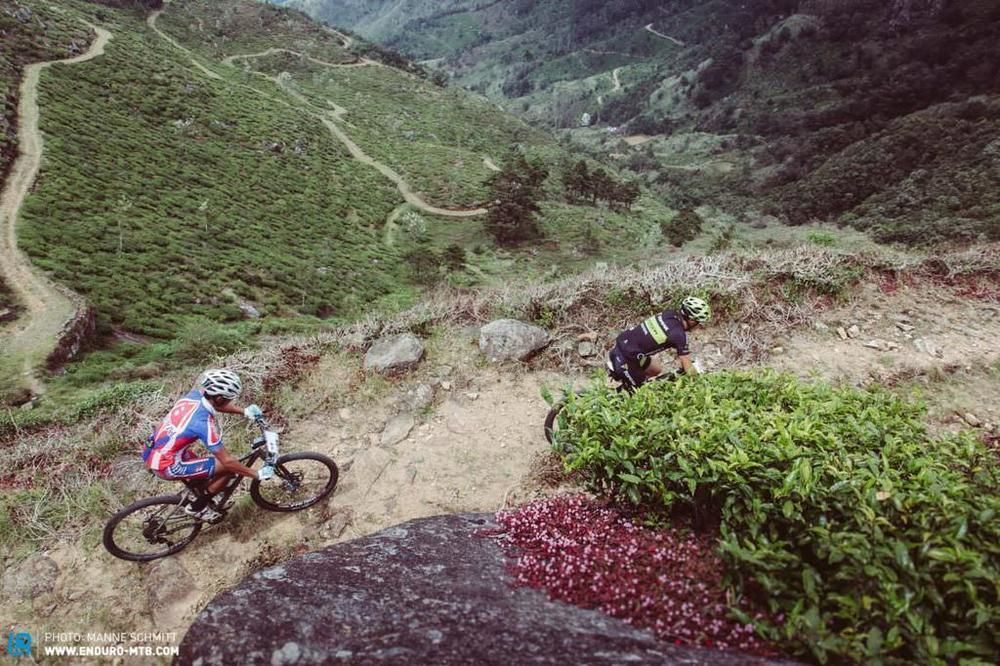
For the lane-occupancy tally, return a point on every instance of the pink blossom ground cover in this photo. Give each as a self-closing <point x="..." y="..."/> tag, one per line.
<point x="590" y="555"/>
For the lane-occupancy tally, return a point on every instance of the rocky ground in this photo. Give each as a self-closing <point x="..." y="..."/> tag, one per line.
<point x="459" y="433"/>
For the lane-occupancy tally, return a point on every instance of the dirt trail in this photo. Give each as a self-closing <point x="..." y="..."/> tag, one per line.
<point x="47" y="306"/>
<point x="363" y="62"/>
<point x="649" y="28"/>
<point x="474" y="443"/>
<point x="490" y="164"/>
<point x="327" y="118"/>
<point x="614" y="77"/>
<point x="151" y="22"/>
<point x="389" y="233"/>
<point x="347" y="39"/>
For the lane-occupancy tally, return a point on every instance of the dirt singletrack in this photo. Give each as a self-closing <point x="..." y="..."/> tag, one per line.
<point x="325" y="116"/>
<point x="649" y="28"/>
<point x="47" y="306"/>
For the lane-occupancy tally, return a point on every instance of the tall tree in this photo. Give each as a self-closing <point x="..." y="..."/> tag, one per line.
<point x="514" y="195"/>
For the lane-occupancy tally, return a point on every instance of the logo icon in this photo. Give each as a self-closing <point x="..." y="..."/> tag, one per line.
<point x="19" y="644"/>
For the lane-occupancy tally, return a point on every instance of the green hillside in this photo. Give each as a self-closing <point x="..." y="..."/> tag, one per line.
<point x="168" y="192"/>
<point x="879" y="115"/>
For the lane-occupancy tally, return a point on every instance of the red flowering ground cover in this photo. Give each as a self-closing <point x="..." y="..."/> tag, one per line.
<point x="587" y="554"/>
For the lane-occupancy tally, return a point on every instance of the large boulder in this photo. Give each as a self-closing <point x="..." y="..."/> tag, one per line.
<point x="506" y="339"/>
<point x="430" y="591"/>
<point x="398" y="352"/>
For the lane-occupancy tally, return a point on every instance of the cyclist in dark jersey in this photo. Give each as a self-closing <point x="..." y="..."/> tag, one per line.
<point x="631" y="360"/>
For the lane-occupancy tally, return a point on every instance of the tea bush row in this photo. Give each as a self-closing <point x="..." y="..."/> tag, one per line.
<point x="875" y="539"/>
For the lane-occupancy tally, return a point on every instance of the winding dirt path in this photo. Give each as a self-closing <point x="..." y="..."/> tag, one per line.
<point x="47" y="306"/>
<point x="614" y="77"/>
<point x="326" y="117"/>
<point x="649" y="28"/>
<point x="363" y="62"/>
<point x="151" y="22"/>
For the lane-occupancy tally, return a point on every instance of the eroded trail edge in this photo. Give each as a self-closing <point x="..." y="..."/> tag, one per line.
<point x="47" y="306"/>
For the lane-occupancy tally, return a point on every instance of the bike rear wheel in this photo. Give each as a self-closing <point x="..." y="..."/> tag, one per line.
<point x="300" y="481"/>
<point x="150" y="529"/>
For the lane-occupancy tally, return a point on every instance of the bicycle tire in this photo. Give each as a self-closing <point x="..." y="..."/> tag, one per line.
<point x="550" y="418"/>
<point x="112" y="545"/>
<point x="286" y="479"/>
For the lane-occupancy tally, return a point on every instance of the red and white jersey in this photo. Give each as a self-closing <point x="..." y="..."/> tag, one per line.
<point x="191" y="419"/>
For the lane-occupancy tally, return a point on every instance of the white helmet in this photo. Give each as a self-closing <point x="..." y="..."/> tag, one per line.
<point x="225" y="383"/>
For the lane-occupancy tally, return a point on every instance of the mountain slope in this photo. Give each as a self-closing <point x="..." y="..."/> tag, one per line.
<point x="795" y="91"/>
<point x="226" y="177"/>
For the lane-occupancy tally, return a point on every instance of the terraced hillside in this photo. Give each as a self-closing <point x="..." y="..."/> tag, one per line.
<point x="881" y="115"/>
<point x="221" y="160"/>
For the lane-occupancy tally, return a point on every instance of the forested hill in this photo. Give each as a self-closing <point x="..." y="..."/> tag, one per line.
<point x="881" y="114"/>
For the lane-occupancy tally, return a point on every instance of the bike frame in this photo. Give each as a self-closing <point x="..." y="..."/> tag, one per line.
<point x="257" y="452"/>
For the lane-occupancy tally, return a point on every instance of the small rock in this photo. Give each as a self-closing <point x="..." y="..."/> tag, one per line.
<point x="881" y="345"/>
<point x="31" y="578"/>
<point x="927" y="347"/>
<point x="446" y="370"/>
<point x="778" y="350"/>
<point x="472" y="395"/>
<point x="338" y="522"/>
<point x="398" y="352"/>
<point x="446" y="386"/>
<point x="168" y="582"/>
<point x="853" y="331"/>
<point x="397" y="429"/>
<point x="841" y="332"/>
<point x="972" y="420"/>
<point x="507" y="339"/>
<point x="906" y="328"/>
<point x="249" y="311"/>
<point x="820" y="326"/>
<point x="417" y="398"/>
<point x="586" y="349"/>
<point x="345" y="414"/>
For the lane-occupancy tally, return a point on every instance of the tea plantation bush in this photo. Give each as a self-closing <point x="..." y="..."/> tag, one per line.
<point x="874" y="539"/>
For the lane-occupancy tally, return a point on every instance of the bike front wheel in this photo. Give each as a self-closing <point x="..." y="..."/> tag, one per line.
<point x="149" y="529"/>
<point x="300" y="481"/>
<point x="551" y="419"/>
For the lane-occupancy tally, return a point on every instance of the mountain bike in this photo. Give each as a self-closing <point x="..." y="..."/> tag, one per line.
<point x="158" y="526"/>
<point x="551" y="419"/>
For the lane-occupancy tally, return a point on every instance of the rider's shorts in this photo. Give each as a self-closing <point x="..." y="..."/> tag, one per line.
<point x="629" y="371"/>
<point x="195" y="468"/>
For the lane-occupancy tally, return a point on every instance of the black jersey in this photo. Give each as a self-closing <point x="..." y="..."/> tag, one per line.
<point x="652" y="336"/>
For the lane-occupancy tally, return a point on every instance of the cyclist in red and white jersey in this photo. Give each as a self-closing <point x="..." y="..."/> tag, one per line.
<point x="192" y="419"/>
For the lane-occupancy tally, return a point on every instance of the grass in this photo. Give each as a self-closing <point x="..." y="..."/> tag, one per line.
<point x="209" y="194"/>
<point x="199" y="190"/>
<point x="33" y="32"/>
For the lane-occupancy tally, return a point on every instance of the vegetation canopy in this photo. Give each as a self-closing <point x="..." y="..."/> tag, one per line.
<point x="872" y="537"/>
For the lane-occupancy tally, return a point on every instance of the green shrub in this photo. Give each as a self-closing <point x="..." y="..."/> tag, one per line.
<point x="874" y="539"/>
<point x="682" y="228"/>
<point x="821" y="238"/>
<point x="201" y="339"/>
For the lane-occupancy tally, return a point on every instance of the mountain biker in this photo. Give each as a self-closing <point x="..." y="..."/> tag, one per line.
<point x="168" y="455"/>
<point x="631" y="360"/>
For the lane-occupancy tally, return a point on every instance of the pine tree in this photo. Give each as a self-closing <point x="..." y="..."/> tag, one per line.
<point x="514" y="195"/>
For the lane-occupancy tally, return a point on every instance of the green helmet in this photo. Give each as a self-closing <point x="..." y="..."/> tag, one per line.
<point x="696" y="309"/>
